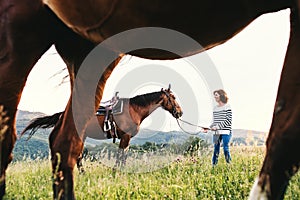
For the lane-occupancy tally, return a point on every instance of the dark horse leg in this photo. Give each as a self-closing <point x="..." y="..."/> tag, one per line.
<point x="79" y="164"/>
<point x="123" y="148"/>
<point x="24" y="37"/>
<point x="66" y="139"/>
<point x="65" y="143"/>
<point x="101" y="84"/>
<point x="282" y="156"/>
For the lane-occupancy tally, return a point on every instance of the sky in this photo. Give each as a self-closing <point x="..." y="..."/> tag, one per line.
<point x="249" y="65"/>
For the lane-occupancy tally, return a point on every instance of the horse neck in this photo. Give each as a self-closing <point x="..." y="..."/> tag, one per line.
<point x="143" y="111"/>
<point x="146" y="111"/>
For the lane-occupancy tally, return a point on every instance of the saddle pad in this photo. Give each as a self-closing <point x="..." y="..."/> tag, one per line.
<point x="117" y="109"/>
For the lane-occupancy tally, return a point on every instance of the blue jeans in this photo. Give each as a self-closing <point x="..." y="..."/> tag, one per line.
<point x="226" y="140"/>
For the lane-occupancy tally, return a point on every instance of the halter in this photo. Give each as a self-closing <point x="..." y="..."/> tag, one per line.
<point x="174" y="111"/>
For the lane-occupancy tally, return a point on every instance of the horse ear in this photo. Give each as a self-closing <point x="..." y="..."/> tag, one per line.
<point x="162" y="89"/>
<point x="169" y="87"/>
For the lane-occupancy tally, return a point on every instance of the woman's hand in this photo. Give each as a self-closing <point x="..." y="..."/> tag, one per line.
<point x="214" y="128"/>
<point x="204" y="130"/>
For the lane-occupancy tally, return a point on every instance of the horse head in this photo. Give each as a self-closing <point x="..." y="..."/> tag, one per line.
<point x="170" y="104"/>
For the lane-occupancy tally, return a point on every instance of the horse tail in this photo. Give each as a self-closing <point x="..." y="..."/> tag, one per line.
<point x="41" y="122"/>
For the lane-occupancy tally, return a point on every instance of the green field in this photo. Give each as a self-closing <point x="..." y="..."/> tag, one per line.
<point x="186" y="178"/>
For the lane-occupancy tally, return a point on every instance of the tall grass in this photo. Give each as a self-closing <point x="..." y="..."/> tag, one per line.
<point x="185" y="178"/>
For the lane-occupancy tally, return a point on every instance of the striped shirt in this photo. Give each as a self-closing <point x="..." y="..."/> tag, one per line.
<point x="222" y="119"/>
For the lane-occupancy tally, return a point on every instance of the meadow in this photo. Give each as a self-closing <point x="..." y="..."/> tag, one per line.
<point x="186" y="178"/>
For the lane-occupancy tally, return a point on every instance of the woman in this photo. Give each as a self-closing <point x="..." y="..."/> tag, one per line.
<point x="221" y="126"/>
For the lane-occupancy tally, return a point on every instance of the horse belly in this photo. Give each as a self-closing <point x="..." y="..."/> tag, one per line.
<point x="101" y="19"/>
<point x="94" y="130"/>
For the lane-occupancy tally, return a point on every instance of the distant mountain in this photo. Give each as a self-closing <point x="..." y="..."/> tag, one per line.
<point x="147" y="135"/>
<point x="159" y="137"/>
<point x="239" y="137"/>
<point x="24" y="117"/>
<point x="22" y="114"/>
<point x="38" y="145"/>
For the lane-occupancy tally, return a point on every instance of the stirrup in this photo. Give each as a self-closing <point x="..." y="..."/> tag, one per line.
<point x="114" y="132"/>
<point x="107" y="126"/>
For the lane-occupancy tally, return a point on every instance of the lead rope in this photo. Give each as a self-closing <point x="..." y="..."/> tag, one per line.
<point x="190" y="133"/>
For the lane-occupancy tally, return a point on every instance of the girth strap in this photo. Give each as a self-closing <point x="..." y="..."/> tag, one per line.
<point x="110" y="128"/>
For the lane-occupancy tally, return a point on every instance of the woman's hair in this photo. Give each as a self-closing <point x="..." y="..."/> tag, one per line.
<point x="223" y="95"/>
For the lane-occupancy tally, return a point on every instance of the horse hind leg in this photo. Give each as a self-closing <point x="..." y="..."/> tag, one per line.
<point x="66" y="147"/>
<point x="282" y="158"/>
<point x="67" y="142"/>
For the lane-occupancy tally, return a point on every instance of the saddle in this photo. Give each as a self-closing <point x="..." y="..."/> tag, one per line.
<point x="117" y="108"/>
<point x="110" y="108"/>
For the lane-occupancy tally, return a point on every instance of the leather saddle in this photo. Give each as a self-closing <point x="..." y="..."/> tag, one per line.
<point x="116" y="109"/>
<point x="110" y="108"/>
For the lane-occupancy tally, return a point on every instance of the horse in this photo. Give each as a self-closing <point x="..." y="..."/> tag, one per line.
<point x="210" y="23"/>
<point x="127" y="121"/>
<point x="24" y="38"/>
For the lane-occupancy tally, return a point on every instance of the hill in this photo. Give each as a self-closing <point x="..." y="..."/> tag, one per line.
<point x="24" y="117"/>
<point x="239" y="137"/>
<point x="37" y="146"/>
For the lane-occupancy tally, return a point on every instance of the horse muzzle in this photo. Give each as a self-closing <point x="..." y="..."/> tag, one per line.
<point x="177" y="114"/>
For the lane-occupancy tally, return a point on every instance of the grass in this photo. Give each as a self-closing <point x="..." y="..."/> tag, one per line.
<point x="186" y="178"/>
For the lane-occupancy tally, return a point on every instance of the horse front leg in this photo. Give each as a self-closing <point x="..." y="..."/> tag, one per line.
<point x="79" y="164"/>
<point x="18" y="54"/>
<point x="11" y="86"/>
<point x="122" y="151"/>
<point x="282" y="155"/>
<point x="7" y="141"/>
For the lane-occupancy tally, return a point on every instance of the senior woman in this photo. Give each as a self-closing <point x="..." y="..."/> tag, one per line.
<point x="221" y="125"/>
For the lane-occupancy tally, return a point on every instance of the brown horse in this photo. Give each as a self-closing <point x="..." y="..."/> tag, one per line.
<point x="25" y="36"/>
<point x="134" y="111"/>
<point x="27" y="30"/>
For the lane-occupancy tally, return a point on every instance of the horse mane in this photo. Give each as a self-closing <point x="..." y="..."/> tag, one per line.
<point x="145" y="99"/>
